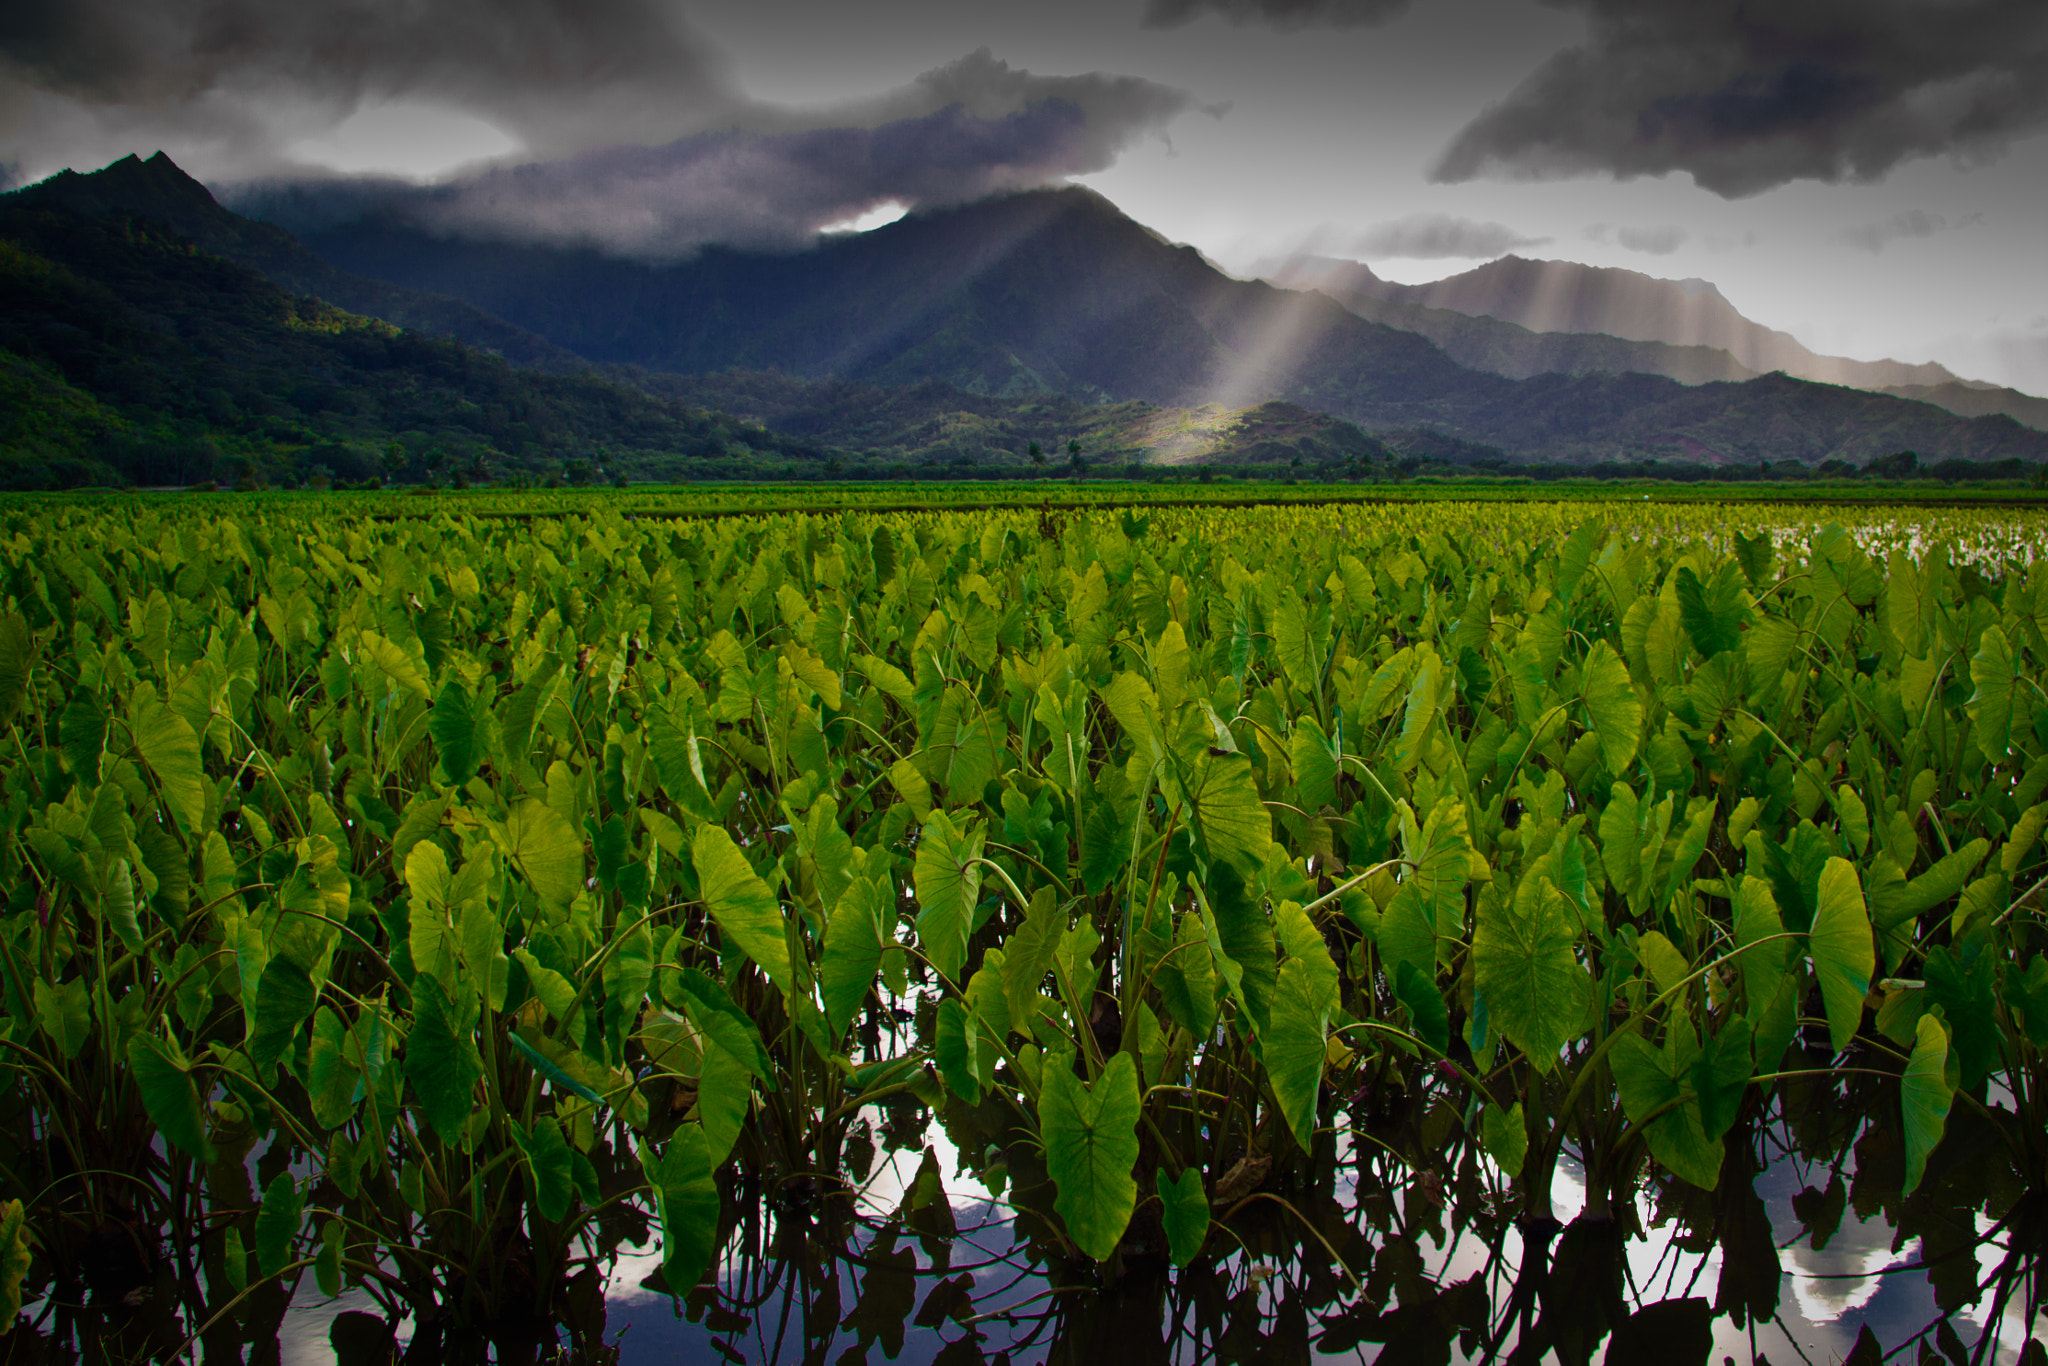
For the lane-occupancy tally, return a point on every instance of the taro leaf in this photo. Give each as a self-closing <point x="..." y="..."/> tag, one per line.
<point x="1229" y="820"/>
<point x="1844" y="955"/>
<point x="686" y="1199"/>
<point x="547" y="1157"/>
<point x="1524" y="966"/>
<point x="1666" y="964"/>
<point x="169" y="1096"/>
<point x="1613" y="710"/>
<point x="1186" y="978"/>
<point x="1184" y="1209"/>
<point x="553" y="1073"/>
<point x="1671" y="1125"/>
<point x="1420" y="713"/>
<point x="284" y="998"/>
<point x="327" y="1265"/>
<point x="17" y="658"/>
<point x="1962" y="979"/>
<point x="952" y="1050"/>
<point x="1994" y="669"/>
<point x="747" y="912"/>
<point x="1028" y="955"/>
<point x="1090" y="1136"/>
<point x="14" y="1259"/>
<point x="169" y="746"/>
<point x="2027" y="995"/>
<point x="547" y="850"/>
<point x="1414" y="989"/>
<point x="458" y="735"/>
<point x="1506" y="1135"/>
<point x="120" y="906"/>
<point x="1246" y="939"/>
<point x="330" y="1076"/>
<point x="398" y="667"/>
<point x="277" y="1223"/>
<point x="1294" y="1046"/>
<point x="441" y="1059"/>
<point x="1299" y="936"/>
<point x="853" y="948"/>
<point x="1315" y="766"/>
<point x="1719" y="1077"/>
<point x="1924" y="1097"/>
<point x="1712" y="613"/>
<point x="1754" y="554"/>
<point x="948" y="883"/>
<point x="82" y="735"/>
<point x="716" y="1014"/>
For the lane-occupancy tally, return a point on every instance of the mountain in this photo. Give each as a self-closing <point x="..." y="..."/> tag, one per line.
<point x="1504" y="348"/>
<point x="1976" y="400"/>
<point x="157" y="189"/>
<point x="1564" y="296"/>
<point x="1057" y="291"/>
<point x="128" y="354"/>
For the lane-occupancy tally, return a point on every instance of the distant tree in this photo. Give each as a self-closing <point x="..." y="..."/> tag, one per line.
<point x="1037" y="455"/>
<point x="577" y="472"/>
<point x="1900" y="465"/>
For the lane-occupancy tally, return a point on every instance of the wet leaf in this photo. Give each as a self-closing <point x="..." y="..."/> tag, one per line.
<point x="1844" y="955"/>
<point x="169" y="1096"/>
<point x="1525" y="966"/>
<point x="1184" y="1209"/>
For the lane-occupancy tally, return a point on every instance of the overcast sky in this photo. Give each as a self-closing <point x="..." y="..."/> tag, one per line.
<point x="1870" y="175"/>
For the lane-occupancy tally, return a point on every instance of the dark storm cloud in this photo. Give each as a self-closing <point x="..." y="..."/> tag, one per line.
<point x="1282" y="14"/>
<point x="559" y="74"/>
<point x="1875" y="237"/>
<point x="1746" y="96"/>
<point x="766" y="190"/>
<point x="1433" y="236"/>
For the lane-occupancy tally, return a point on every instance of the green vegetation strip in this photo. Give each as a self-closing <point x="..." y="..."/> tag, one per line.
<point x="505" y="872"/>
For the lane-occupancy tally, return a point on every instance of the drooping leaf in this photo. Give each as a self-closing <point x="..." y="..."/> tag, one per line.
<point x="1613" y="710"/>
<point x="1844" y="954"/>
<point x="441" y="1060"/>
<point x="1246" y="939"/>
<point x="1713" y="612"/>
<point x="1427" y="1014"/>
<point x="120" y="905"/>
<point x="1294" y="1043"/>
<point x="17" y="658"/>
<point x="1925" y="1095"/>
<point x="1090" y="1135"/>
<point x="14" y="1258"/>
<point x="712" y="1009"/>
<point x="1506" y="1135"/>
<point x="854" y="940"/>
<point x="1184" y="1209"/>
<point x="284" y="999"/>
<point x="458" y="736"/>
<point x="686" y="1201"/>
<point x="948" y="884"/>
<point x="1652" y="1097"/>
<point x="277" y="1223"/>
<point x="170" y="747"/>
<point x="746" y="910"/>
<point x="547" y="1157"/>
<point x="169" y="1096"/>
<point x="1186" y="977"/>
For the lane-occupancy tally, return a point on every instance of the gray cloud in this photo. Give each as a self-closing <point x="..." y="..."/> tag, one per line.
<point x="1744" y="97"/>
<point x="1281" y="14"/>
<point x="1432" y="236"/>
<point x="241" y="78"/>
<point x="1875" y="237"/>
<point x="771" y="190"/>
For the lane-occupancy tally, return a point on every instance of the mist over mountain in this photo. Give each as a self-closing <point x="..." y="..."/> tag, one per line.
<point x="1565" y="296"/>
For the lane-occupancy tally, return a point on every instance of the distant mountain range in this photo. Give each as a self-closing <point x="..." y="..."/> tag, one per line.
<point x="1032" y="296"/>
<point x="1518" y="317"/>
